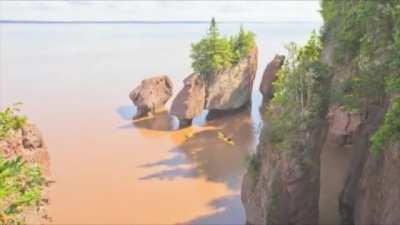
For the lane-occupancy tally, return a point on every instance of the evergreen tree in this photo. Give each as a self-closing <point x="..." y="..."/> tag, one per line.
<point x="242" y="44"/>
<point x="214" y="53"/>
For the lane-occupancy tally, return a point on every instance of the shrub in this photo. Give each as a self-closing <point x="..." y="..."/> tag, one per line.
<point x="10" y="121"/>
<point x="242" y="44"/>
<point x="301" y="93"/>
<point x="214" y="52"/>
<point x="253" y="165"/>
<point x="21" y="187"/>
<point x="389" y="130"/>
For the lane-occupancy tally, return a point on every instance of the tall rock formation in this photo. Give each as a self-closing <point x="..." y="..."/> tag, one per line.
<point x="270" y="75"/>
<point x="232" y="88"/>
<point x="190" y="101"/>
<point x="221" y="92"/>
<point x="151" y="95"/>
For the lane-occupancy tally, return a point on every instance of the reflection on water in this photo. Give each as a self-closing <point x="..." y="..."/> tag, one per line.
<point x="201" y="153"/>
<point x="160" y="121"/>
<point x="208" y="155"/>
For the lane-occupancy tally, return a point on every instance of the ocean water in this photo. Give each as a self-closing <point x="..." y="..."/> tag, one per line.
<point x="74" y="81"/>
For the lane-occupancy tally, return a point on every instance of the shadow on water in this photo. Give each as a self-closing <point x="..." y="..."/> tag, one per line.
<point x="161" y="121"/>
<point x="228" y="209"/>
<point x="210" y="156"/>
<point x="178" y="159"/>
<point x="172" y="174"/>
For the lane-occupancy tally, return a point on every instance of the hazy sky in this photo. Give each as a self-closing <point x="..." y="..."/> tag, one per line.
<point x="266" y="11"/>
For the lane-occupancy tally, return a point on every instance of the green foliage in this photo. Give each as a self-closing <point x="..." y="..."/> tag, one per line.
<point x="328" y="11"/>
<point x="253" y="165"/>
<point x="21" y="187"/>
<point x="214" y="52"/>
<point x="392" y="84"/>
<point x="367" y="38"/>
<point x="241" y="44"/>
<point x="301" y="93"/>
<point x="10" y="121"/>
<point x="389" y="130"/>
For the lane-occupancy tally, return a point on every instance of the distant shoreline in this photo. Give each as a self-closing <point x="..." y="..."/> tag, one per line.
<point x="144" y="22"/>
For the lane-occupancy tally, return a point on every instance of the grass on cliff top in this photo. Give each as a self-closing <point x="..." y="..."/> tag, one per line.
<point x="10" y="121"/>
<point x="215" y="52"/>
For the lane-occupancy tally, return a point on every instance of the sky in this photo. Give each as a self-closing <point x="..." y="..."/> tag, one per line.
<point x="90" y="10"/>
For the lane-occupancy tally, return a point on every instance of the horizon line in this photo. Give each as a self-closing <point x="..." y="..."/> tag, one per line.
<point x="139" y="21"/>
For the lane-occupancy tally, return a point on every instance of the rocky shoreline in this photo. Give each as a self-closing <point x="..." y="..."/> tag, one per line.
<point x="28" y="143"/>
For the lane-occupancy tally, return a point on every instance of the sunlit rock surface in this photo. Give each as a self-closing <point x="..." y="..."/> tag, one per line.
<point x="190" y="101"/>
<point x="151" y="95"/>
<point x="270" y="75"/>
<point x="231" y="89"/>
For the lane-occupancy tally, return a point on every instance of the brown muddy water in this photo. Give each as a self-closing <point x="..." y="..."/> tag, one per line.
<point x="74" y="82"/>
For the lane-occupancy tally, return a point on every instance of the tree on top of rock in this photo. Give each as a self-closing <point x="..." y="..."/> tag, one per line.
<point x="213" y="31"/>
<point x="214" y="52"/>
<point x="242" y="44"/>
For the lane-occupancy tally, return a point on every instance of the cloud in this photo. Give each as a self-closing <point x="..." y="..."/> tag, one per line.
<point x="267" y="11"/>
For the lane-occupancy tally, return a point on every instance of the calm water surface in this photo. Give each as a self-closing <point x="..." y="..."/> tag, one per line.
<point x="74" y="81"/>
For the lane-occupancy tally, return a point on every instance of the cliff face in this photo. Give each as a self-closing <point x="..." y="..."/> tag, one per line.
<point x="366" y="57"/>
<point x="286" y="190"/>
<point x="371" y="190"/>
<point x="360" y="131"/>
<point x="231" y="89"/>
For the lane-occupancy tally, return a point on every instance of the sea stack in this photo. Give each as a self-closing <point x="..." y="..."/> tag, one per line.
<point x="270" y="76"/>
<point x="151" y="95"/>
<point x="231" y="89"/>
<point x="190" y="101"/>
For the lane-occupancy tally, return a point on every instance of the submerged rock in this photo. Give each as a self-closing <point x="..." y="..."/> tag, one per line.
<point x="190" y="101"/>
<point x="151" y="95"/>
<point x="231" y="89"/>
<point x="270" y="75"/>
